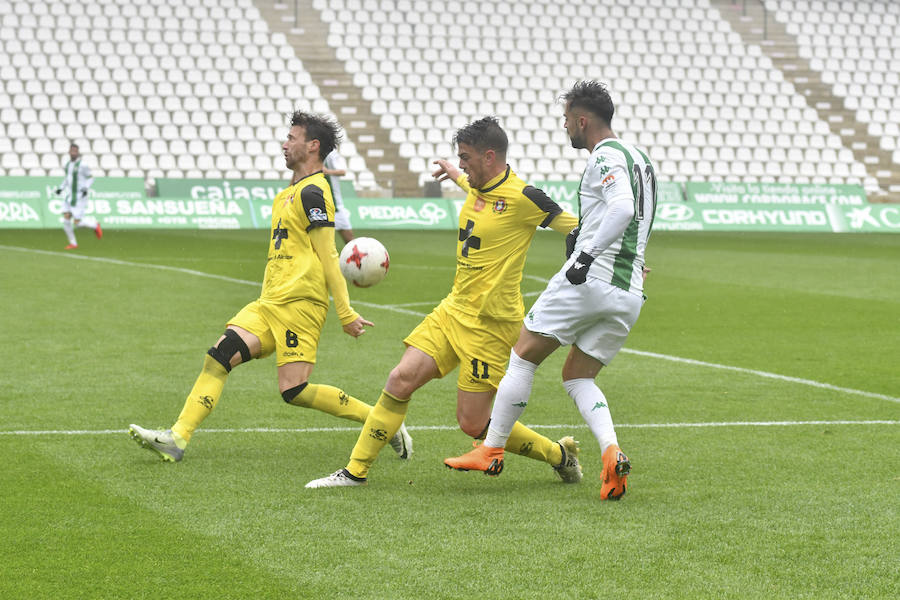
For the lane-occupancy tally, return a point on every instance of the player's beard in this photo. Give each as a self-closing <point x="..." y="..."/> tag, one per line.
<point x="577" y="140"/>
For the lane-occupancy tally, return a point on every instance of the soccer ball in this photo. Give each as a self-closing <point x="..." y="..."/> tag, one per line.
<point x="364" y="261"/>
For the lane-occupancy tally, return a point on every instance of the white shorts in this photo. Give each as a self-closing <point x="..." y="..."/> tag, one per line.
<point x="595" y="316"/>
<point x="77" y="211"/>
<point x="341" y="218"/>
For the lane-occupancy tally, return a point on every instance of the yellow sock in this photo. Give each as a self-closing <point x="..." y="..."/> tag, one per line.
<point x="527" y="442"/>
<point x="382" y="423"/>
<point x="333" y="401"/>
<point x="202" y="399"/>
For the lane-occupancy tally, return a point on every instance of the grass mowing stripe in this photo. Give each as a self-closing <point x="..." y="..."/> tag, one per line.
<point x="454" y="427"/>
<point x="397" y="308"/>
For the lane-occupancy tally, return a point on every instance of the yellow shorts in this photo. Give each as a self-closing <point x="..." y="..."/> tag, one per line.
<point x="479" y="346"/>
<point x="291" y="330"/>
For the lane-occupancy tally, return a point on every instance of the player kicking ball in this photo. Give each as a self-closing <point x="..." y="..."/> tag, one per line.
<point x="595" y="298"/>
<point x="475" y="326"/>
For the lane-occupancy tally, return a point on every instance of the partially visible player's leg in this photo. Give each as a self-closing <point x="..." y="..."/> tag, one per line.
<point x="296" y="328"/>
<point x="595" y="347"/>
<point x="415" y="369"/>
<point x="342" y="221"/>
<point x="385" y="419"/>
<point x="428" y="355"/>
<point x="236" y="345"/>
<point x="69" y="229"/>
<point x="513" y="390"/>
<point x="90" y="222"/>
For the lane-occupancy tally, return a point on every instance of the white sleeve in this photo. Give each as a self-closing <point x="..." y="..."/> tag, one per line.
<point x="616" y="220"/>
<point x="619" y="211"/>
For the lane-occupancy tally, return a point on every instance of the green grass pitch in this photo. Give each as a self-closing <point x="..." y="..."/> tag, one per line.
<point x="757" y="398"/>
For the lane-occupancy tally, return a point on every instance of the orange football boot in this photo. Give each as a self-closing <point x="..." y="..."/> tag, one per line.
<point x="482" y="458"/>
<point x="616" y="468"/>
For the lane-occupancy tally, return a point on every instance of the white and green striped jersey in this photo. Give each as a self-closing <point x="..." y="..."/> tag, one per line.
<point x="77" y="182"/>
<point x="618" y="201"/>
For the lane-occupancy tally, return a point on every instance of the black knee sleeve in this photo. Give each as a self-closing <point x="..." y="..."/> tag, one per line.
<point x="231" y="345"/>
<point x="293" y="392"/>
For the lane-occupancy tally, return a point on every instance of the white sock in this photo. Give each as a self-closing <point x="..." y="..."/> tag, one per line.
<point x="89" y="222"/>
<point x="592" y="405"/>
<point x="511" y="399"/>
<point x="70" y="231"/>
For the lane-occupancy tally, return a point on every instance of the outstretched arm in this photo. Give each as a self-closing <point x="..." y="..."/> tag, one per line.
<point x="322" y="240"/>
<point x="446" y="171"/>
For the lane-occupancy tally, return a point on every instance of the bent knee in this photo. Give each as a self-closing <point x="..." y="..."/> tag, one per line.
<point x="472" y="427"/>
<point x="401" y="382"/>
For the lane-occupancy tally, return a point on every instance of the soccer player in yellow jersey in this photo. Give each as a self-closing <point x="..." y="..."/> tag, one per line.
<point x="287" y="319"/>
<point x="475" y="326"/>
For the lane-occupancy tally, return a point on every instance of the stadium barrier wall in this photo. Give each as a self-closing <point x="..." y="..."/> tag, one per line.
<point x="122" y="203"/>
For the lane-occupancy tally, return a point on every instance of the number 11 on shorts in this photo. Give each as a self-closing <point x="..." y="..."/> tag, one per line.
<point x="484" y="369"/>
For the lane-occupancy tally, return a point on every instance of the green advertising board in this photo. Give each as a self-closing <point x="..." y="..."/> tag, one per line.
<point x="231" y="189"/>
<point x="669" y="191"/>
<point x="714" y="192"/>
<point x="697" y="216"/>
<point x="119" y="203"/>
<point x="401" y="213"/>
<point x="30" y="202"/>
<point x="220" y="189"/>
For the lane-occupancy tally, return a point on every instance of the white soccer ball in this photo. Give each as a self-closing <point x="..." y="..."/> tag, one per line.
<point x="364" y="261"/>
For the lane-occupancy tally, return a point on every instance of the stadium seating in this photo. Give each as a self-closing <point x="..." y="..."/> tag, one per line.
<point x="201" y="88"/>
<point x="854" y="47"/>
<point x="148" y="89"/>
<point x="695" y="76"/>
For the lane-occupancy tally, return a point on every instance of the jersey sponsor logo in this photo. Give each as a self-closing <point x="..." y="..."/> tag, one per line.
<point x="469" y="240"/>
<point x="479" y="205"/>
<point x="279" y="234"/>
<point x="499" y="206"/>
<point x="288" y="200"/>
<point x="608" y="179"/>
<point x="317" y="214"/>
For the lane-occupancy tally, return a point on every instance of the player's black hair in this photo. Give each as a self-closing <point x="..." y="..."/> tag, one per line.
<point x="318" y="127"/>
<point x="593" y="97"/>
<point x="73" y="145"/>
<point x="483" y="134"/>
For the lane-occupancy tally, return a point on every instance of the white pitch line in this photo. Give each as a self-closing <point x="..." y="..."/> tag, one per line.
<point x="126" y="263"/>
<point x="23" y="432"/>
<point x="809" y="382"/>
<point x="399" y="309"/>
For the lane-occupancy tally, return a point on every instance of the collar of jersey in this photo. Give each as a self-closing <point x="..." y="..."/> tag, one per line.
<point x="502" y="177"/>
<point x="603" y="142"/>
<point x="305" y="177"/>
